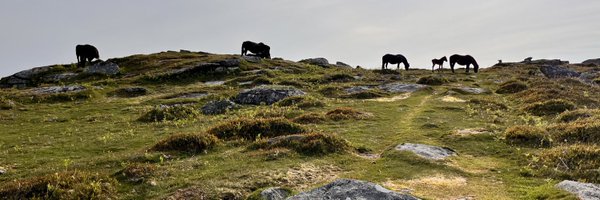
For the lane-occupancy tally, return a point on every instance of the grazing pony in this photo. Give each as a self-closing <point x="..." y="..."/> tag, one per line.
<point x="439" y="62"/>
<point x="466" y="60"/>
<point x="394" y="59"/>
<point x="85" y="53"/>
<point x="261" y="50"/>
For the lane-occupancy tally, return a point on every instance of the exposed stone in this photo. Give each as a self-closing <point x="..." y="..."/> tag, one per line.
<point x="191" y="95"/>
<point x="357" y="89"/>
<point x="341" y="64"/>
<point x="402" y="87"/>
<point x="30" y="73"/>
<point x="218" y="107"/>
<point x="316" y="61"/>
<point x="131" y="92"/>
<point x="275" y="193"/>
<point x="214" y="83"/>
<point x="266" y="94"/>
<point x="585" y="191"/>
<point x="58" y="77"/>
<point x="58" y="89"/>
<point x="233" y="62"/>
<point x="24" y="78"/>
<point x="200" y="68"/>
<point x="592" y="62"/>
<point x="555" y="71"/>
<point x="252" y="59"/>
<point x="348" y="189"/>
<point x="547" y="62"/>
<point x="470" y="90"/>
<point x="427" y="151"/>
<point x="104" y="68"/>
<point x="2" y="171"/>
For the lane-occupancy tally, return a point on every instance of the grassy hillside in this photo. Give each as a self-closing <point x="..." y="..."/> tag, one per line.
<point x="515" y="141"/>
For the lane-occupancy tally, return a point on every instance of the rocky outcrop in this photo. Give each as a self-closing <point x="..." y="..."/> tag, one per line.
<point x="427" y="151"/>
<point x="402" y="87"/>
<point x="218" y="107"/>
<point x="275" y="193"/>
<point x="341" y="64"/>
<point x="585" y="191"/>
<point x="470" y="90"/>
<point x="555" y="71"/>
<point x="190" y="95"/>
<point x="595" y="62"/>
<point x="25" y="78"/>
<point x="316" y="61"/>
<point x="266" y="95"/>
<point x="546" y="62"/>
<point x="130" y="92"/>
<point x="348" y="189"/>
<point x="103" y="68"/>
<point x="54" y="78"/>
<point x="58" y="89"/>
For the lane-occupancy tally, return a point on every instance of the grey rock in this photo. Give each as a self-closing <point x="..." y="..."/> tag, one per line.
<point x="427" y="151"/>
<point x="30" y="73"/>
<point x="357" y="89"/>
<point x="547" y="62"/>
<point x="58" y="89"/>
<point x="585" y="191"/>
<point x="191" y="95"/>
<point x="218" y="107"/>
<point x="2" y="171"/>
<point x="316" y="61"/>
<point x="200" y="68"/>
<point x="588" y="77"/>
<point x="214" y="83"/>
<point x="555" y="71"/>
<point x="348" y="189"/>
<point x="470" y="90"/>
<point x="402" y="87"/>
<point x="592" y="62"/>
<point x="341" y="64"/>
<point x="13" y="81"/>
<point x="24" y="78"/>
<point x="252" y="59"/>
<point x="233" y="62"/>
<point x="275" y="193"/>
<point x="58" y="77"/>
<point x="266" y="94"/>
<point x="131" y="92"/>
<point x="104" y="68"/>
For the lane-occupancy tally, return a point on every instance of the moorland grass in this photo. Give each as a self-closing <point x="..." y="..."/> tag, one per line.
<point x="307" y="144"/>
<point x="550" y="107"/>
<point x="346" y="113"/>
<point x="527" y="136"/>
<point x="187" y="143"/>
<point x="251" y="129"/>
<point x="511" y="87"/>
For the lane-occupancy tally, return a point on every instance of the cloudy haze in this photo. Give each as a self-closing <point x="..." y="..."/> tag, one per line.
<point x="358" y="32"/>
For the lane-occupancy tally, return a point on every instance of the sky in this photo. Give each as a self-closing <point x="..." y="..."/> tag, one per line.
<point x="358" y="32"/>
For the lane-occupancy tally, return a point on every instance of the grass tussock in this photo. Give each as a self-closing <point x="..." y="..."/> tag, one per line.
<point x="129" y="92"/>
<point x="574" y="91"/>
<point x="340" y="77"/>
<point x="307" y="144"/>
<point x="579" y="162"/>
<point x="550" y="107"/>
<point x="137" y="172"/>
<point x="169" y="113"/>
<point x="64" y="185"/>
<point x="331" y="91"/>
<point x="64" y="97"/>
<point x="527" y="136"/>
<point x="256" y="195"/>
<point x="488" y="104"/>
<point x="584" y="131"/>
<point x="368" y="94"/>
<point x="432" y="80"/>
<point x="295" y="83"/>
<point x="346" y="113"/>
<point x="302" y="102"/>
<point x="188" y="143"/>
<point x="511" y="87"/>
<point x="7" y="104"/>
<point x="251" y="129"/>
<point x="578" y="114"/>
<point x="310" y="118"/>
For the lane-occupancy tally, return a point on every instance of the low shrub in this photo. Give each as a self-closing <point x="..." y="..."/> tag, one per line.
<point x="345" y="113"/>
<point x="310" y="118"/>
<point x="137" y="172"/>
<point x="307" y="144"/>
<point x="584" y="131"/>
<point x="64" y="97"/>
<point x="549" y="107"/>
<point x="251" y="129"/>
<point x="367" y="94"/>
<point x="64" y="185"/>
<point x="489" y="104"/>
<point x="129" y="92"/>
<point x="432" y="80"/>
<point x="169" y="113"/>
<point x="575" y="115"/>
<point x="188" y="143"/>
<point x="295" y="83"/>
<point x="331" y="91"/>
<point x="527" y="136"/>
<point x="511" y="87"/>
<point x="578" y="162"/>
<point x="302" y="102"/>
<point x="7" y="104"/>
<point x="339" y="78"/>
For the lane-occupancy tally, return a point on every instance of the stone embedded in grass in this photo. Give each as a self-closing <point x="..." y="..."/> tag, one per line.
<point x="401" y="87"/>
<point x="310" y="118"/>
<point x="427" y="151"/>
<point x="218" y="107"/>
<point x="316" y="61"/>
<point x="189" y="95"/>
<point x="470" y="90"/>
<point x="250" y="129"/>
<point x="345" y="113"/>
<point x="130" y="92"/>
<point x="351" y="189"/>
<point x="550" y="107"/>
<point x="58" y="89"/>
<point x="272" y="193"/>
<point x="585" y="191"/>
<point x="432" y="80"/>
<point x="555" y="71"/>
<point x="189" y="143"/>
<point x="63" y="185"/>
<point x="266" y="95"/>
<point x="103" y="68"/>
<point x="511" y="87"/>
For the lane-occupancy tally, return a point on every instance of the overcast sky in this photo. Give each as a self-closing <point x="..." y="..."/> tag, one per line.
<point x="358" y="32"/>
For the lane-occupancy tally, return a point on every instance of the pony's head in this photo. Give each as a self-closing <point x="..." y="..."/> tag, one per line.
<point x="445" y="59"/>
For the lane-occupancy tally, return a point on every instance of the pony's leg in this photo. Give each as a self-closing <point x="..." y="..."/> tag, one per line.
<point x="432" y="67"/>
<point x="468" y="67"/>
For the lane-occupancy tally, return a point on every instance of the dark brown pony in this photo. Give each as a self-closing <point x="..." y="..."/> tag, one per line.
<point x="394" y="59"/>
<point x="259" y="49"/>
<point x="85" y="53"/>
<point x="466" y="60"/>
<point x="439" y="62"/>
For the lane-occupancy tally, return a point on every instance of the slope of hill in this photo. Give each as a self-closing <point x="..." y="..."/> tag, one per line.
<point x="178" y="125"/>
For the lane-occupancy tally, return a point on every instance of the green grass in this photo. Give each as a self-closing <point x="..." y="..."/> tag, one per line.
<point x="102" y="138"/>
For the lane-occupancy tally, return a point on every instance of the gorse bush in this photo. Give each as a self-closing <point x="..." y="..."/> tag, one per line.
<point x="527" y="136"/>
<point x="511" y="87"/>
<point x="251" y="129"/>
<point x="64" y="185"/>
<point x="549" y="107"/>
<point x="188" y="143"/>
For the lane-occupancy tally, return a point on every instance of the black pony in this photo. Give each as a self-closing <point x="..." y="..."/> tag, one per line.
<point x="394" y="59"/>
<point x="439" y="62"/>
<point x="85" y="53"/>
<point x="261" y="50"/>
<point x="463" y="60"/>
